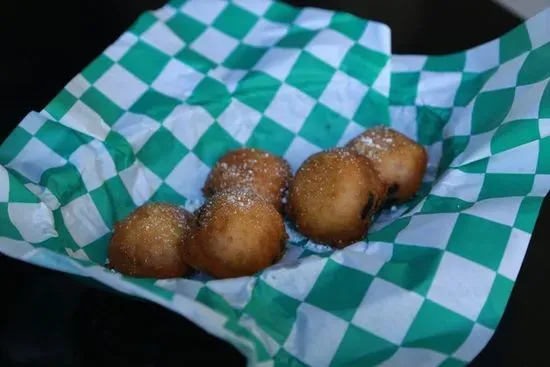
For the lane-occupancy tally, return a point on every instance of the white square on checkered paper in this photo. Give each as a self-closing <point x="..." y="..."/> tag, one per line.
<point x="365" y="257"/>
<point x="265" y="33"/>
<point x="544" y="127"/>
<point x="271" y="346"/>
<point x="34" y="221"/>
<point x="417" y="357"/>
<point x="500" y="210"/>
<point x="299" y="150"/>
<point x="136" y="129"/>
<point x="236" y="291"/>
<point x="479" y="147"/>
<point x="32" y="122"/>
<point x="77" y="86"/>
<point x="94" y="163"/>
<point x="314" y="18"/>
<point x="229" y="77"/>
<point x="352" y="130"/>
<point x="403" y="119"/>
<point x="538" y="28"/>
<point x="461" y="285"/>
<point x="437" y="89"/>
<point x="387" y="310"/>
<point x="83" y="220"/>
<point x="164" y="13"/>
<point x="177" y="80"/>
<point x="163" y="38"/>
<point x="476" y="341"/>
<point x="520" y="160"/>
<point x="329" y="46"/>
<point x="439" y="226"/>
<point x="434" y="151"/>
<point x="204" y="11"/>
<point x="121" y="86"/>
<point x="527" y="100"/>
<point x="224" y="45"/>
<point x="188" y="123"/>
<point x="483" y="58"/>
<point x="290" y="107"/>
<point x="140" y="182"/>
<point x="343" y="94"/>
<point x="82" y="118"/>
<point x="188" y="176"/>
<point x="514" y="254"/>
<point x="34" y="159"/>
<point x="121" y="46"/>
<point x="377" y="36"/>
<point x="458" y="184"/>
<point x="278" y="62"/>
<point x="5" y="186"/>
<point x="255" y="7"/>
<point x="541" y="186"/>
<point x="383" y="81"/>
<point x="408" y="63"/>
<point x="313" y="323"/>
<point x="239" y="120"/>
<point x="460" y="122"/>
<point x="292" y="281"/>
<point x="506" y="75"/>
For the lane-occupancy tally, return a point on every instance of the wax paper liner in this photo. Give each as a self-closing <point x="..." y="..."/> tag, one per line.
<point x="147" y="119"/>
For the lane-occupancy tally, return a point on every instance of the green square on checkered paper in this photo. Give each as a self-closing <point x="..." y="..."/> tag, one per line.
<point x="60" y="104"/>
<point x="543" y="164"/>
<point x="103" y="106"/>
<point x="446" y="63"/>
<point x="243" y="332"/>
<point x="372" y="351"/>
<point x="64" y="182"/>
<point x="270" y="136"/>
<point x="390" y="232"/>
<point x="162" y="152"/>
<point x="403" y="88"/>
<point x="528" y="213"/>
<point x="530" y="71"/>
<point x="432" y="119"/>
<point x="212" y="95"/>
<point x="452" y="147"/>
<point x="185" y="27"/>
<point x="215" y="301"/>
<point x="438" y="204"/>
<point x="235" y="21"/>
<point x="514" y="43"/>
<point x="97" y="250"/>
<point x="113" y="201"/>
<point x="168" y="195"/>
<point x="13" y="144"/>
<point x="479" y="166"/>
<point x="373" y="110"/>
<point x="195" y="60"/>
<point x="278" y="322"/>
<point x="19" y="193"/>
<point x="296" y="37"/>
<point x="143" y="23"/>
<point x="339" y="290"/>
<point x="7" y="229"/>
<point x="213" y="144"/>
<point x="257" y="90"/>
<point x="480" y="240"/>
<point x="453" y="362"/>
<point x="499" y="185"/>
<point x="155" y="105"/>
<point x="349" y="25"/>
<point x="426" y="333"/>
<point x="144" y="61"/>
<point x="244" y="57"/>
<point x="544" y="107"/>
<point x="285" y="359"/>
<point x="493" y="309"/>
<point x="412" y="267"/>
<point x="363" y="64"/>
<point x="323" y="127"/>
<point x="68" y="241"/>
<point x="61" y="139"/>
<point x="470" y="85"/>
<point x="97" y="68"/>
<point x="490" y="109"/>
<point x="513" y="134"/>
<point x="310" y="75"/>
<point x="281" y="13"/>
<point x="120" y="150"/>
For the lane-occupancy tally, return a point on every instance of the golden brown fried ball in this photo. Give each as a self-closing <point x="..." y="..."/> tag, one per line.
<point x="400" y="161"/>
<point x="150" y="241"/>
<point x="239" y="233"/>
<point x="258" y="170"/>
<point x="334" y="196"/>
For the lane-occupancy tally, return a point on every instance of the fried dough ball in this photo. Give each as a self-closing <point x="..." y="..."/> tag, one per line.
<point x="150" y="241"/>
<point x="239" y="233"/>
<point x="400" y="161"/>
<point x="334" y="197"/>
<point x="258" y="170"/>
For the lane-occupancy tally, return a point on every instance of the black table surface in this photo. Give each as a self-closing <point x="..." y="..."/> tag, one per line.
<point x="50" y="319"/>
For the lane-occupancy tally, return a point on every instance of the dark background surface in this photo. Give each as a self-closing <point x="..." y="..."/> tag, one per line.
<point x="51" y="319"/>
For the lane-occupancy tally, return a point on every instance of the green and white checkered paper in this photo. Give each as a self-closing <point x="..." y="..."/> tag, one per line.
<point x="147" y="119"/>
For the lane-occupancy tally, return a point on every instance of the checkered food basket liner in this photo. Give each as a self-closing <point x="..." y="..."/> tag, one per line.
<point x="147" y="119"/>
